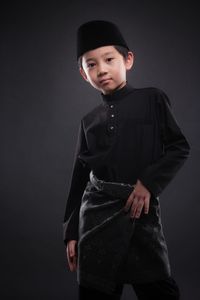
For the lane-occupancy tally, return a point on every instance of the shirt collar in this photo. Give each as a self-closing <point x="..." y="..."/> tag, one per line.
<point x="117" y="94"/>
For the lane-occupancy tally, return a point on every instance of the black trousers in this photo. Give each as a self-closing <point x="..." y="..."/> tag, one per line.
<point x="158" y="290"/>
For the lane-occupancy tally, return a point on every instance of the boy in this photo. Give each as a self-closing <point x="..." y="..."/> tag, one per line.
<point x="129" y="148"/>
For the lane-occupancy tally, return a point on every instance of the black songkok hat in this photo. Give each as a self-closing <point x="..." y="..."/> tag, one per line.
<point x="98" y="33"/>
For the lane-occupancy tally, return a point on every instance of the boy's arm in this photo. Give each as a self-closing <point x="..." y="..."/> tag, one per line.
<point x="175" y="150"/>
<point x="79" y="178"/>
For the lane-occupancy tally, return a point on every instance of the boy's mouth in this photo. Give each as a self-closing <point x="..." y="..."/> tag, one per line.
<point x="105" y="80"/>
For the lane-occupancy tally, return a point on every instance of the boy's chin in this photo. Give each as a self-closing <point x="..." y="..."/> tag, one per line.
<point x="108" y="89"/>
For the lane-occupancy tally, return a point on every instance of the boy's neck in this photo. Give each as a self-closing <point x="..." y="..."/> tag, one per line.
<point x="118" y="93"/>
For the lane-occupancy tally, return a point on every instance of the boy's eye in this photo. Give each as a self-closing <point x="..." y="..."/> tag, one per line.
<point x="90" y="65"/>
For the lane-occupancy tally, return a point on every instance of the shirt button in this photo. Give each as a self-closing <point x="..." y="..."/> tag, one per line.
<point x="112" y="116"/>
<point x="111" y="127"/>
<point x="111" y="106"/>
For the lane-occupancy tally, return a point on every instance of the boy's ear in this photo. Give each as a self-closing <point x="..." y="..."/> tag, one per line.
<point x="83" y="73"/>
<point x="129" y="60"/>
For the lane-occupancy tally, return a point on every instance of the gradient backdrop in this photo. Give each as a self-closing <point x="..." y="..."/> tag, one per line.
<point x="43" y="98"/>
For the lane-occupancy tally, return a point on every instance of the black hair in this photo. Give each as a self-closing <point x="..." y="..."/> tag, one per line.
<point x="122" y="50"/>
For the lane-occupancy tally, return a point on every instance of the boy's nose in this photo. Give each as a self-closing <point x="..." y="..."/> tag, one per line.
<point x="101" y="70"/>
<point x="101" y="73"/>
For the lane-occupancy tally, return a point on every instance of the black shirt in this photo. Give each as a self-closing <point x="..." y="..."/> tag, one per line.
<point x="132" y="134"/>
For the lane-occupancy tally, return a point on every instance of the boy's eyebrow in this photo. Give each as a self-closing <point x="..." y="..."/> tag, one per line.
<point x="91" y="58"/>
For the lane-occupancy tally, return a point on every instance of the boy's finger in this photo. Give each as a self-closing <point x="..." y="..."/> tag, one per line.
<point x="70" y="264"/>
<point x="74" y="262"/>
<point x="134" y="206"/>
<point x="128" y="202"/>
<point x="139" y="208"/>
<point x="68" y="255"/>
<point x="146" y="205"/>
<point x="71" y="250"/>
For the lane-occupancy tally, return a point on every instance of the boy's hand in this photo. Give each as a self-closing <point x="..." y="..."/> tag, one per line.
<point x="138" y="199"/>
<point x="71" y="251"/>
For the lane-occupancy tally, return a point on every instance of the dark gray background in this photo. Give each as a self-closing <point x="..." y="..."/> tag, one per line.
<point x="43" y="98"/>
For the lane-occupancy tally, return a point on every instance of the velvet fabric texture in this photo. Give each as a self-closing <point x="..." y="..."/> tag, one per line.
<point x="98" y="33"/>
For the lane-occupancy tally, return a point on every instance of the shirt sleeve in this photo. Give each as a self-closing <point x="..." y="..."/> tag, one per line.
<point x="79" y="178"/>
<point x="175" y="149"/>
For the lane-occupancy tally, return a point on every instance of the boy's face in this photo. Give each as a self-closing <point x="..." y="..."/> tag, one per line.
<point x="105" y="68"/>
